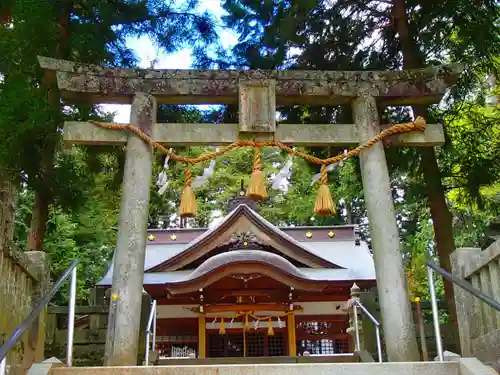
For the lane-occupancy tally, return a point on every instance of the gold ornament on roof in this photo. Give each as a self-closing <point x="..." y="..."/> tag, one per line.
<point x="151" y="237"/>
<point x="173" y="237"/>
<point x="331" y="234"/>
<point x="309" y="234"/>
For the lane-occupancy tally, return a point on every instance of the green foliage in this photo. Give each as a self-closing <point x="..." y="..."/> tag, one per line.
<point x="87" y="233"/>
<point x="312" y="34"/>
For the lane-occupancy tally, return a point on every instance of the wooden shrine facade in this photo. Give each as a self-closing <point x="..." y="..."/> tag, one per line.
<point x="248" y="289"/>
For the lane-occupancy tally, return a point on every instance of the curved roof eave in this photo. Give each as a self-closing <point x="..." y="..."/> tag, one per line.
<point x="218" y="267"/>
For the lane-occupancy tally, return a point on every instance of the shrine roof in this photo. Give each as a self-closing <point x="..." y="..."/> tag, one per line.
<point x="356" y="260"/>
<point x="327" y="253"/>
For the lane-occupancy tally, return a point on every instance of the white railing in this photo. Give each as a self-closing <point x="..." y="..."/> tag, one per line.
<point x="356" y="304"/>
<point x="70" y="273"/>
<point x="151" y="324"/>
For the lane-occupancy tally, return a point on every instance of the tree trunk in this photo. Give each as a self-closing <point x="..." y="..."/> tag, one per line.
<point x="7" y="198"/>
<point x="441" y="216"/>
<point x="39" y="218"/>
<point x="43" y="196"/>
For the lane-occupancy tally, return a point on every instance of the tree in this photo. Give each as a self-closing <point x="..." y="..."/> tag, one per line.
<point x="87" y="31"/>
<point x="351" y="34"/>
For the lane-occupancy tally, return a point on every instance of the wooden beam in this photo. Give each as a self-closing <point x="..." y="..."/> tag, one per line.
<point x="79" y="310"/>
<point x="247" y="307"/>
<point x="86" y="133"/>
<point x="96" y="84"/>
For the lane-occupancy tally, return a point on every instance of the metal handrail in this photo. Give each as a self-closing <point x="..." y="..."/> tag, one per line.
<point x="151" y="322"/>
<point x="35" y="313"/>
<point x="357" y="303"/>
<point x="465" y="285"/>
<point x="462" y="284"/>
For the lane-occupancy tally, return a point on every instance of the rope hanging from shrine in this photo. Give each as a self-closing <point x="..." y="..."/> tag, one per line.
<point x="247" y="316"/>
<point x="324" y="205"/>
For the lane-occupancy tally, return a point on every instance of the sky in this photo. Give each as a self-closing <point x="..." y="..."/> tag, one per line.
<point x="147" y="52"/>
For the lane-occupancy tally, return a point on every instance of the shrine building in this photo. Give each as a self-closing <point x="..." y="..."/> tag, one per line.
<point x="246" y="288"/>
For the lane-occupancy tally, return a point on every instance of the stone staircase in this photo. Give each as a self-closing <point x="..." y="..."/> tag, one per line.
<point x="462" y="366"/>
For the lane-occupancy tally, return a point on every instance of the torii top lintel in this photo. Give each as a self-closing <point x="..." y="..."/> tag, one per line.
<point x="95" y="84"/>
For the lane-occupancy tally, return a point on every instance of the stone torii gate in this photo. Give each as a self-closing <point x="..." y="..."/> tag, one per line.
<point x="256" y="93"/>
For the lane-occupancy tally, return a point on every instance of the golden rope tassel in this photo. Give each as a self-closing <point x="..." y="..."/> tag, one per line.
<point x="188" y="199"/>
<point x="257" y="188"/>
<point x="324" y="203"/>
<point x="270" y="330"/>
<point x="246" y="327"/>
<point x="222" y="330"/>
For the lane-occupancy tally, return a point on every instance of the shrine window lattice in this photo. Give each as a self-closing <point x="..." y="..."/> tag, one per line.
<point x="321" y="338"/>
<point x="177" y="338"/>
<point x="258" y="344"/>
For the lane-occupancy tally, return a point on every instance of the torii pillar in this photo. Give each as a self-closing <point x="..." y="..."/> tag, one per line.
<point x="128" y="267"/>
<point x="257" y="93"/>
<point x="397" y="317"/>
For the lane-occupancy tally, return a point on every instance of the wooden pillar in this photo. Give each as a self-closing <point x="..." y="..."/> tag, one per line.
<point x="202" y="334"/>
<point x="292" y="339"/>
<point x="397" y="318"/>
<point x="128" y="270"/>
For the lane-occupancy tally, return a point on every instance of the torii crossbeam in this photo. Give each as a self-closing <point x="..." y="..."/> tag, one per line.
<point x="256" y="93"/>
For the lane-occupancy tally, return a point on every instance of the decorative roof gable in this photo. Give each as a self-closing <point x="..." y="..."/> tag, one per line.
<point x="243" y="228"/>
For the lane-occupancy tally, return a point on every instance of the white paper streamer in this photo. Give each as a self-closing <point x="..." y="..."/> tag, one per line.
<point x="199" y="181"/>
<point x="256" y="324"/>
<point x="281" y="180"/>
<point x="162" y="181"/>
<point x="329" y="168"/>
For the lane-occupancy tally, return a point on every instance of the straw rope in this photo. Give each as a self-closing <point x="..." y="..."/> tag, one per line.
<point x="418" y="125"/>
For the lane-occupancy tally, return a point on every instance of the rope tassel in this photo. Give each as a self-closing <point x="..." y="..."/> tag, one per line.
<point x="257" y="188"/>
<point x="324" y="203"/>
<point x="246" y="326"/>
<point x="188" y="199"/>
<point x="270" y="330"/>
<point x="222" y="330"/>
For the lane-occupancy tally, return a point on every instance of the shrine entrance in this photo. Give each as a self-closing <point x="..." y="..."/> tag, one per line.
<point x="248" y="344"/>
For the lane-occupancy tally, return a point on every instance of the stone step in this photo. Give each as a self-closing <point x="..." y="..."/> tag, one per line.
<point x="401" y="368"/>
<point x="258" y="360"/>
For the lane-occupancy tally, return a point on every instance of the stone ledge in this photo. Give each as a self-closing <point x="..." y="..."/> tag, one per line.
<point x="482" y="259"/>
<point x="487" y="347"/>
<point x="97" y="84"/>
<point x="22" y="260"/>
